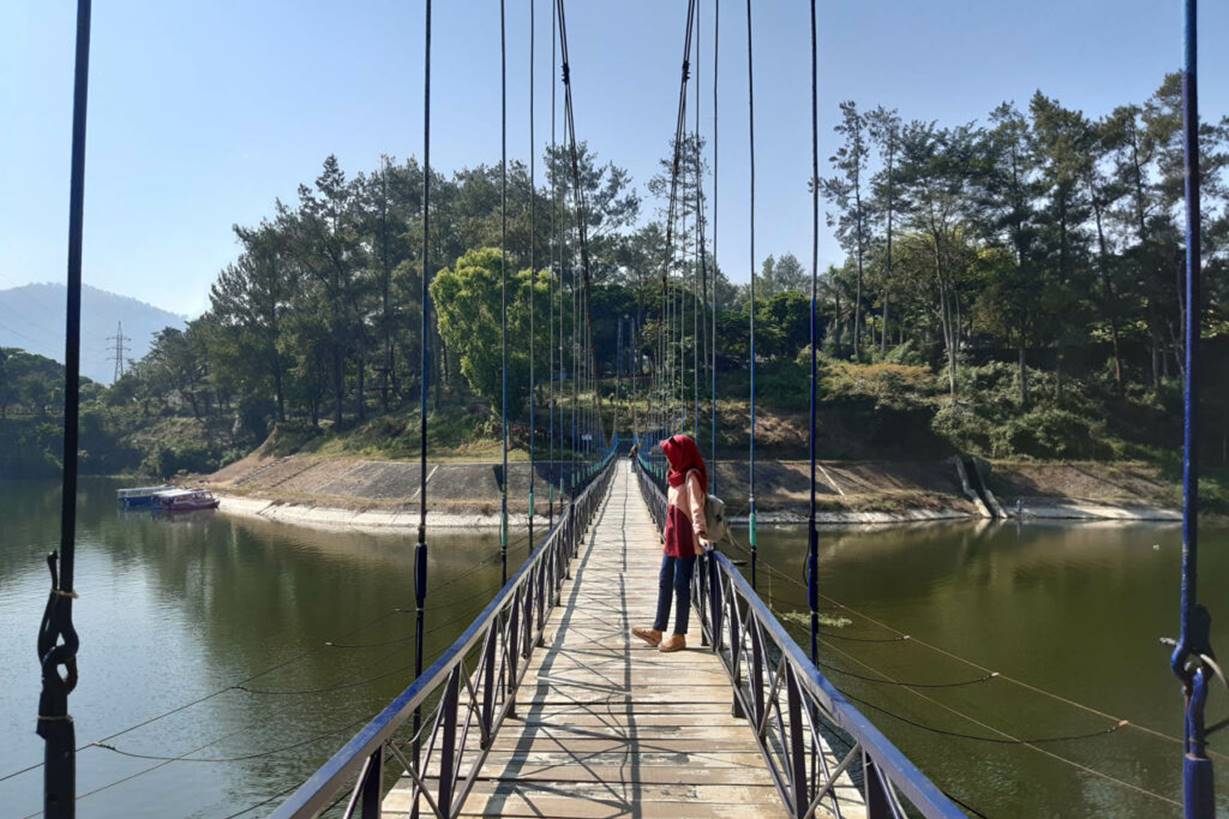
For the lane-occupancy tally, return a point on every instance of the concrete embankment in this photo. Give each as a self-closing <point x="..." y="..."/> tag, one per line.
<point x="331" y="517"/>
<point x="1090" y="490"/>
<point x="349" y="492"/>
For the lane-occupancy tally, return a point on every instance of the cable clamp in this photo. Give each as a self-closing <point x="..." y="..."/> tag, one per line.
<point x="61" y="593"/>
<point x="55" y="718"/>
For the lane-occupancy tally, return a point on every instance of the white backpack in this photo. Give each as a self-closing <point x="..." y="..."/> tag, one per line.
<point x="714" y="518"/>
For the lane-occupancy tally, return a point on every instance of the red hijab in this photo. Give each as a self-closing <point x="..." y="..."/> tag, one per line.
<point x="683" y="454"/>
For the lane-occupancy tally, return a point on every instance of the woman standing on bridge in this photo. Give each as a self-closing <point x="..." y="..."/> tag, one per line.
<point x="686" y="539"/>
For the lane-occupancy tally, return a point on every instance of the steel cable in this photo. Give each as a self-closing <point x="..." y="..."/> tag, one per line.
<point x="1013" y="740"/>
<point x="900" y="636"/>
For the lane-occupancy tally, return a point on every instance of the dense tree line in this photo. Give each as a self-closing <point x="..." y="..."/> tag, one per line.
<point x="318" y="318"/>
<point x="1040" y="231"/>
<point x="1040" y="237"/>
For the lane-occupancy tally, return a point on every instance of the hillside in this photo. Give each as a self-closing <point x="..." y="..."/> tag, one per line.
<point x="32" y="318"/>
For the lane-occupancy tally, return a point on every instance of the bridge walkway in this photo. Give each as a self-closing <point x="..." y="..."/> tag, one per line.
<point x="607" y="726"/>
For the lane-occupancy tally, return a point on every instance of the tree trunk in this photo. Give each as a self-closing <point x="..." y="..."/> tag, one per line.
<point x="887" y="278"/>
<point x="1156" y="361"/>
<point x="1107" y="288"/>
<point x="338" y="387"/>
<point x="857" y="305"/>
<point x="386" y="318"/>
<point x="361" y="398"/>
<point x="1023" y="376"/>
<point x="883" y="331"/>
<point x="1058" y="373"/>
<point x="279" y="388"/>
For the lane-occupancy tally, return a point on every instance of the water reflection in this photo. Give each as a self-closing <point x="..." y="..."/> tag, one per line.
<point x="1073" y="609"/>
<point x="175" y="609"/>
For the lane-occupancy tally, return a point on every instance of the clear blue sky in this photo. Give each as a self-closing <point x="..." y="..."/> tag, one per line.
<point x="202" y="113"/>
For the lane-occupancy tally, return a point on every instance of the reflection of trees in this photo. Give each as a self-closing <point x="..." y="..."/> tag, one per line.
<point x="234" y="596"/>
<point x="1040" y="602"/>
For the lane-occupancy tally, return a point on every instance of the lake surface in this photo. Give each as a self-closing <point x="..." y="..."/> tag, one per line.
<point x="1074" y="610"/>
<point x="174" y="610"/>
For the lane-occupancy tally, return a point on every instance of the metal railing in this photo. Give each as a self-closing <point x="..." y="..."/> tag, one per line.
<point x="798" y="716"/>
<point x="464" y="697"/>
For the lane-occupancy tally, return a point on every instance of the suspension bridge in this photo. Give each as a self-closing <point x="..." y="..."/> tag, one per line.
<point x="544" y="706"/>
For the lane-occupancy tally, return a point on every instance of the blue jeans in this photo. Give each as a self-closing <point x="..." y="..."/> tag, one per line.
<point x="674" y="581"/>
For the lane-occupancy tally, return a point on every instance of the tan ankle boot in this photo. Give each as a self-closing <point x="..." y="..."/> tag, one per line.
<point x="650" y="635"/>
<point x="676" y="642"/>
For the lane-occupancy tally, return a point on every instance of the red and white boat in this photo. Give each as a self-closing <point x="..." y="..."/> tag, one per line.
<point x="185" y="500"/>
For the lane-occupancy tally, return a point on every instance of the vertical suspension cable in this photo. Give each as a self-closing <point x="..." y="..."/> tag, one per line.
<point x="700" y="309"/>
<point x="420" y="551"/>
<point x="583" y="334"/>
<point x="573" y="365"/>
<point x="682" y="289"/>
<point x="812" y="530"/>
<point x="694" y="278"/>
<point x="561" y="245"/>
<point x="533" y="282"/>
<point x="672" y="352"/>
<point x="716" y="266"/>
<point x="751" y="144"/>
<point x="550" y="296"/>
<point x="1194" y="646"/>
<point x="680" y="312"/>
<point x="57" y="638"/>
<point x="503" y="282"/>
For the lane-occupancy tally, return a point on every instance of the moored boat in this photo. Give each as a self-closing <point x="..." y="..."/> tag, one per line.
<point x="185" y="500"/>
<point x="140" y="495"/>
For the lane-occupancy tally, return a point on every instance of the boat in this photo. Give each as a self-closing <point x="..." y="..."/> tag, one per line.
<point x="185" y="500"/>
<point x="140" y="495"/>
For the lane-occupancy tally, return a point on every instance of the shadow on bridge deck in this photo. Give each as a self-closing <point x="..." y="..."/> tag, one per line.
<point x="607" y="726"/>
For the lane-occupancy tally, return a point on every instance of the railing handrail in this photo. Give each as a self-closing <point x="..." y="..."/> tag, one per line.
<point x="318" y="791"/>
<point x="900" y="771"/>
<point x="924" y="794"/>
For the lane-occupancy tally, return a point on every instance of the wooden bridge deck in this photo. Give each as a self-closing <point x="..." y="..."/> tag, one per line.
<point x="607" y="726"/>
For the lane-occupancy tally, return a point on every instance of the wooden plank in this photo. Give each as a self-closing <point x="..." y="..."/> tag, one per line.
<point x="589" y="802"/>
<point x="608" y="726"/>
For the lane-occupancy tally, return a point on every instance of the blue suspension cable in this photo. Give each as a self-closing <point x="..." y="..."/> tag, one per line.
<point x="700" y="310"/>
<point x="751" y="535"/>
<point x="1194" y="649"/>
<point x="57" y="638"/>
<point x="424" y="364"/>
<point x="713" y="385"/>
<point x="503" y="284"/>
<point x="550" y="295"/>
<point x="533" y="281"/>
<point x="812" y="530"/>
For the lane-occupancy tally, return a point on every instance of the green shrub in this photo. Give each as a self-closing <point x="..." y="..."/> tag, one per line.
<point x="1049" y="432"/>
<point x="164" y="461"/>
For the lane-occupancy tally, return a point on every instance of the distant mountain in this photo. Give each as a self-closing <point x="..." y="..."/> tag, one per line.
<point x="32" y="318"/>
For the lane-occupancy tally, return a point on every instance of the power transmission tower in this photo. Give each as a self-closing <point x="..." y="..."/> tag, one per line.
<point x="117" y="348"/>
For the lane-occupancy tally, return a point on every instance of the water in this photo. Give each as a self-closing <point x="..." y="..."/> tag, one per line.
<point x="174" y="610"/>
<point x="1073" y="609"/>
